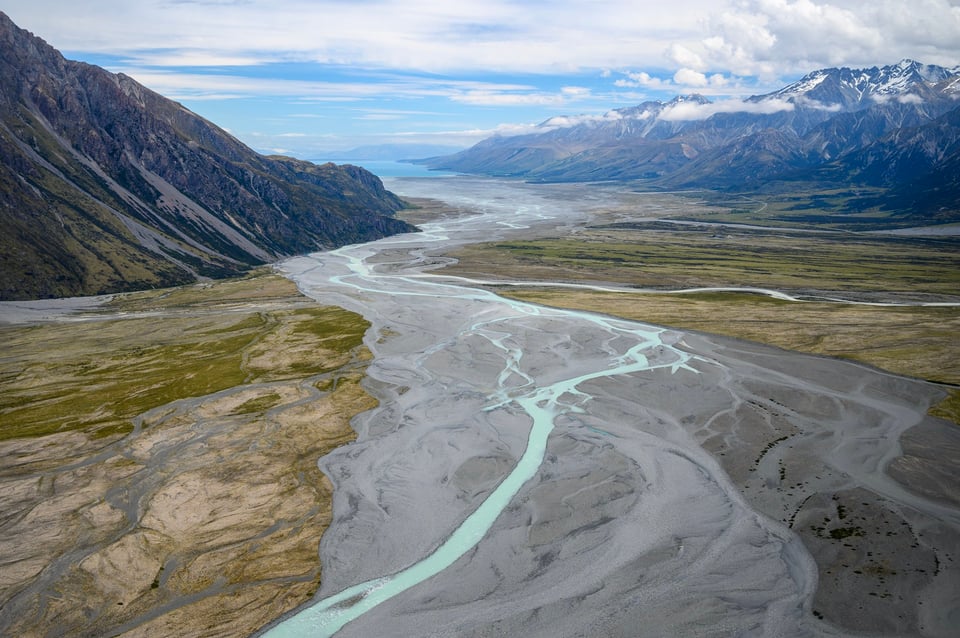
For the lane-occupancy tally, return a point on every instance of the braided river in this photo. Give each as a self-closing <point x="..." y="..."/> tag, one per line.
<point x="542" y="472"/>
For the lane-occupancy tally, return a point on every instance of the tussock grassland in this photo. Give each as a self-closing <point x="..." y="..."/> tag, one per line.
<point x="168" y="445"/>
<point x="664" y="257"/>
<point x="97" y="375"/>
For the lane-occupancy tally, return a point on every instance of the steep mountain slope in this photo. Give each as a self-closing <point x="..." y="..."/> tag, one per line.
<point x="107" y="186"/>
<point x="816" y="127"/>
<point x="853" y="88"/>
<point x="636" y="140"/>
<point x="920" y="165"/>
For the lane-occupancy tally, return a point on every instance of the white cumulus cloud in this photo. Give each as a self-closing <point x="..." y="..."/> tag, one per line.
<point x="689" y="77"/>
<point x="775" y="37"/>
<point x="641" y="79"/>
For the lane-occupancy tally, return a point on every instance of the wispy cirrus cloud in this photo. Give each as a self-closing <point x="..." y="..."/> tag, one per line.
<point x="256" y="64"/>
<point x="497" y="35"/>
<point x="736" y="37"/>
<point x="179" y="84"/>
<point x="525" y="96"/>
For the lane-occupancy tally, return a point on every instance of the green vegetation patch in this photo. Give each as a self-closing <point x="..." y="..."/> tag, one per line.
<point x="259" y="404"/>
<point x="98" y="375"/>
<point x="308" y="341"/>
<point x="949" y="408"/>
<point x="704" y="256"/>
<point x="838" y="533"/>
<point x="859" y="208"/>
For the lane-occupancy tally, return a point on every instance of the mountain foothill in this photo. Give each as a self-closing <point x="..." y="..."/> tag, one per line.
<point x="107" y="186"/>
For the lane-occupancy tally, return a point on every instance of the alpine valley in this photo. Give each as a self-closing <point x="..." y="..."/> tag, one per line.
<point x="648" y="373"/>
<point x="893" y="128"/>
<point x="106" y="186"/>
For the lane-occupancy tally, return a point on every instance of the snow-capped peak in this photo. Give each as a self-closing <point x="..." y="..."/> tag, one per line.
<point x="850" y="88"/>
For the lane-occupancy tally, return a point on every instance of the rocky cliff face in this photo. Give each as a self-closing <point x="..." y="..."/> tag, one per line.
<point x="107" y="186"/>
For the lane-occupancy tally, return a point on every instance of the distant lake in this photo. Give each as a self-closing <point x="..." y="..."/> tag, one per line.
<point x="389" y="168"/>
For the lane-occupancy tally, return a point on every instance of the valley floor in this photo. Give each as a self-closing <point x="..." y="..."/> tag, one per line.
<point x="890" y="301"/>
<point x="158" y="450"/>
<point x="874" y="299"/>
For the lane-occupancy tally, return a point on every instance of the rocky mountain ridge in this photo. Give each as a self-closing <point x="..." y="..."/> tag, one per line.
<point x="826" y="126"/>
<point x="107" y="186"/>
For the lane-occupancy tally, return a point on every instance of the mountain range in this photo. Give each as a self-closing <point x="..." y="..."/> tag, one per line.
<point x="893" y="127"/>
<point x="106" y="186"/>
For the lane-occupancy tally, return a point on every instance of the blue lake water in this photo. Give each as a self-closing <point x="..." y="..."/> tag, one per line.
<point x="389" y="168"/>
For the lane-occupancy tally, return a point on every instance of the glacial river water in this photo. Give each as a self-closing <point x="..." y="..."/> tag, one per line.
<point x="539" y="472"/>
<point x="542" y="403"/>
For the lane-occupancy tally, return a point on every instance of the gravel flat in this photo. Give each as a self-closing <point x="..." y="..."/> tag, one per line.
<point x="727" y="489"/>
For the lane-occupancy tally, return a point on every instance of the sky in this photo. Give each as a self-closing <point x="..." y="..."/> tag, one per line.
<point x="314" y="78"/>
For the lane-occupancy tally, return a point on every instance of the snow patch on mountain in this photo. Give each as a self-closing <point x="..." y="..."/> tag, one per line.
<point x="854" y="88"/>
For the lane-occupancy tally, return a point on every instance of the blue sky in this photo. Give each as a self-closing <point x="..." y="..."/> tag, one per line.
<point x="308" y="78"/>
